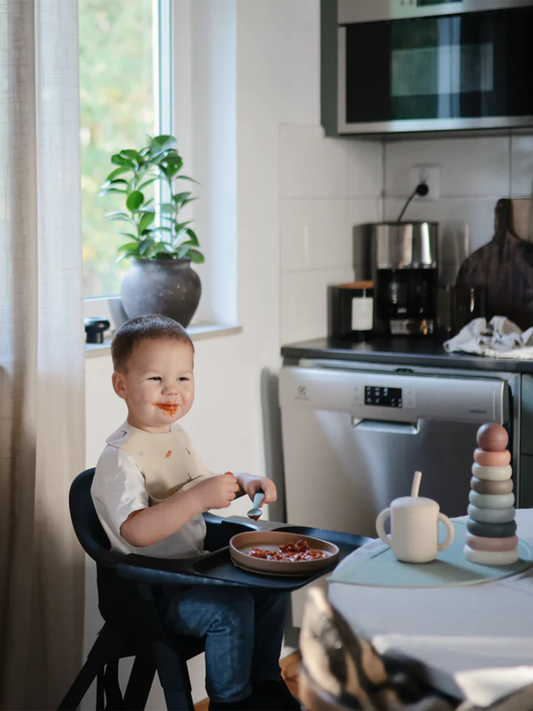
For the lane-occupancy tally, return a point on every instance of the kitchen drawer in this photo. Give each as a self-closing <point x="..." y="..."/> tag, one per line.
<point x="525" y="494"/>
<point x="526" y="433"/>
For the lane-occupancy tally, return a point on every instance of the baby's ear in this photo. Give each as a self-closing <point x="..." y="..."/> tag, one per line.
<point x="118" y="384"/>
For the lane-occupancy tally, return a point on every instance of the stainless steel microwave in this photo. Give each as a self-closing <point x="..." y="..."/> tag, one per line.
<point x="403" y="66"/>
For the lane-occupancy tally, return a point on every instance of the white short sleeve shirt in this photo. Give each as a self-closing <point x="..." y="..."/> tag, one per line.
<point x="138" y="469"/>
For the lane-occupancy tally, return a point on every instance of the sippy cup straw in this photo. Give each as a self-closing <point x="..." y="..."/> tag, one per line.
<point x="416" y="484"/>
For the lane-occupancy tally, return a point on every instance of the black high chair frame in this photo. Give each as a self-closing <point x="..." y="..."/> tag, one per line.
<point x="128" y="591"/>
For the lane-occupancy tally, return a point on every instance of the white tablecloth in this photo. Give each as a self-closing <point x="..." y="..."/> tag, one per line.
<point x="473" y="642"/>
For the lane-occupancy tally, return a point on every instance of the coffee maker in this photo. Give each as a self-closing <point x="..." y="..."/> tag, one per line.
<point x="404" y="265"/>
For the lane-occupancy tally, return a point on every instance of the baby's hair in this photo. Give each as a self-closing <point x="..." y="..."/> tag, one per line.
<point x="151" y="327"/>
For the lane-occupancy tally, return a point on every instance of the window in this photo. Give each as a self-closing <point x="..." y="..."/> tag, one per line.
<point x="167" y="67"/>
<point x="125" y="90"/>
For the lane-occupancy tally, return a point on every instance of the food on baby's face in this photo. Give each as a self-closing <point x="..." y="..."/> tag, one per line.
<point x="290" y="552"/>
<point x="167" y="408"/>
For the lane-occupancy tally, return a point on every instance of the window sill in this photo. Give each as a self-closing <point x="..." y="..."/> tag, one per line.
<point x="201" y="332"/>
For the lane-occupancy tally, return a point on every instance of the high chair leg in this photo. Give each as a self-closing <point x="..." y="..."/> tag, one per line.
<point x="113" y="694"/>
<point x="81" y="684"/>
<point x="140" y="682"/>
<point x="106" y="648"/>
<point x="174" y="678"/>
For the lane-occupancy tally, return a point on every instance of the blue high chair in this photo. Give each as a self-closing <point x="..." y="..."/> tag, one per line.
<point x="128" y="590"/>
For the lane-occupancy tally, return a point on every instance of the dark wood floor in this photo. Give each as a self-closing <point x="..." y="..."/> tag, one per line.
<point x="289" y="671"/>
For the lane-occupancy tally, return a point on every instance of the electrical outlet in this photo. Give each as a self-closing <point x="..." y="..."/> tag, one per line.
<point x="428" y="174"/>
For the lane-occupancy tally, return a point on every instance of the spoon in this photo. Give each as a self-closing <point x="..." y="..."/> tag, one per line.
<point x="255" y="512"/>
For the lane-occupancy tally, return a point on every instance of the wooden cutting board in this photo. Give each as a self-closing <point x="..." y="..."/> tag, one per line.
<point x="504" y="267"/>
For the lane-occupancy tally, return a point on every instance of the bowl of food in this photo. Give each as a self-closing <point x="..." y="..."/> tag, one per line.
<point x="279" y="553"/>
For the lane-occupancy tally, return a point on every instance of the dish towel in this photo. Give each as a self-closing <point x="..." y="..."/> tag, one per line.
<point x="501" y="338"/>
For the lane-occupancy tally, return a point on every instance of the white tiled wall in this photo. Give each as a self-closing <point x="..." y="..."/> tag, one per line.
<point x="474" y="174"/>
<point x="313" y="234"/>
<point x="326" y="187"/>
<point x="473" y="167"/>
<point x="521" y="166"/>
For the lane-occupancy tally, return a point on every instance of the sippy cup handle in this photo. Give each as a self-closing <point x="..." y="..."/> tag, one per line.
<point x="380" y="521"/>
<point x="451" y="533"/>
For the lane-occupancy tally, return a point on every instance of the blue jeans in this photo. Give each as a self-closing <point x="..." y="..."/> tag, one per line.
<point x="232" y="619"/>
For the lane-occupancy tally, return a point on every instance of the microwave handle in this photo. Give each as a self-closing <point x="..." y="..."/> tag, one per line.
<point x="402" y="428"/>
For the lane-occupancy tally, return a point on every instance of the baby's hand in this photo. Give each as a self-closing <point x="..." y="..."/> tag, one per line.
<point x="217" y="492"/>
<point x="252" y="484"/>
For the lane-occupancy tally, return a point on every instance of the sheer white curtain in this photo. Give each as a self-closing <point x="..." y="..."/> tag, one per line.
<point x="42" y="429"/>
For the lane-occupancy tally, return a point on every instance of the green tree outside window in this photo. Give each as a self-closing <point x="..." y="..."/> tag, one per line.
<point x="117" y="110"/>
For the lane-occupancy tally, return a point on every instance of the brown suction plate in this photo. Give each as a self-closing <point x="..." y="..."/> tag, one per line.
<point x="242" y="542"/>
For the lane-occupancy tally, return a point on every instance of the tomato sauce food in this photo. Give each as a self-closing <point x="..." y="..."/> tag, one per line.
<point x="167" y="408"/>
<point x="291" y="552"/>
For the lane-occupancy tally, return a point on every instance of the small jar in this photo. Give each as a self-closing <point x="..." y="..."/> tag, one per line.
<point x="351" y="310"/>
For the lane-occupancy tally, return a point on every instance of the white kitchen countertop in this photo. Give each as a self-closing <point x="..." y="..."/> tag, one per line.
<point x="473" y="641"/>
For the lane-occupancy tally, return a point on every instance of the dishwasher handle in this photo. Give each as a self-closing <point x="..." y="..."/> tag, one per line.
<point x="402" y="428"/>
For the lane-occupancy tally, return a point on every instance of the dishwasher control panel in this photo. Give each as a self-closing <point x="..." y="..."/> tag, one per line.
<point x="383" y="396"/>
<point x="395" y="397"/>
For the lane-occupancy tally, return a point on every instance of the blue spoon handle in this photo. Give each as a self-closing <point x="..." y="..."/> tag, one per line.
<point x="258" y="499"/>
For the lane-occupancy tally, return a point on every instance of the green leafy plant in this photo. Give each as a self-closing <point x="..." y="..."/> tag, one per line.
<point x="154" y="230"/>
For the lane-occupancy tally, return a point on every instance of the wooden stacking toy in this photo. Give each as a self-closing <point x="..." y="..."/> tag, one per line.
<point x="491" y="537"/>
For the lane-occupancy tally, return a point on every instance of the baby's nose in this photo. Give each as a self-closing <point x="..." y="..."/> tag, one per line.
<point x="173" y="390"/>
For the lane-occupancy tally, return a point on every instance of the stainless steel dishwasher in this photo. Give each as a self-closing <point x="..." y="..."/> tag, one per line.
<point x="353" y="435"/>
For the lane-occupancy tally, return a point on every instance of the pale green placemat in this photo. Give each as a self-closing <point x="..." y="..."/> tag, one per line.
<point x="449" y="568"/>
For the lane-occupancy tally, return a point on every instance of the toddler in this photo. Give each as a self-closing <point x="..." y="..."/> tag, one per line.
<point x="150" y="490"/>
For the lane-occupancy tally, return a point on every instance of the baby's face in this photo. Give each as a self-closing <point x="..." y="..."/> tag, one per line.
<point x="158" y="386"/>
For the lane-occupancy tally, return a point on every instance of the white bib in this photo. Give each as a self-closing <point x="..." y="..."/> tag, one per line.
<point x="167" y="461"/>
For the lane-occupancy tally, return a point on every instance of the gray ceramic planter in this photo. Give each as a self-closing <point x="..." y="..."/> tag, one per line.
<point x="161" y="286"/>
